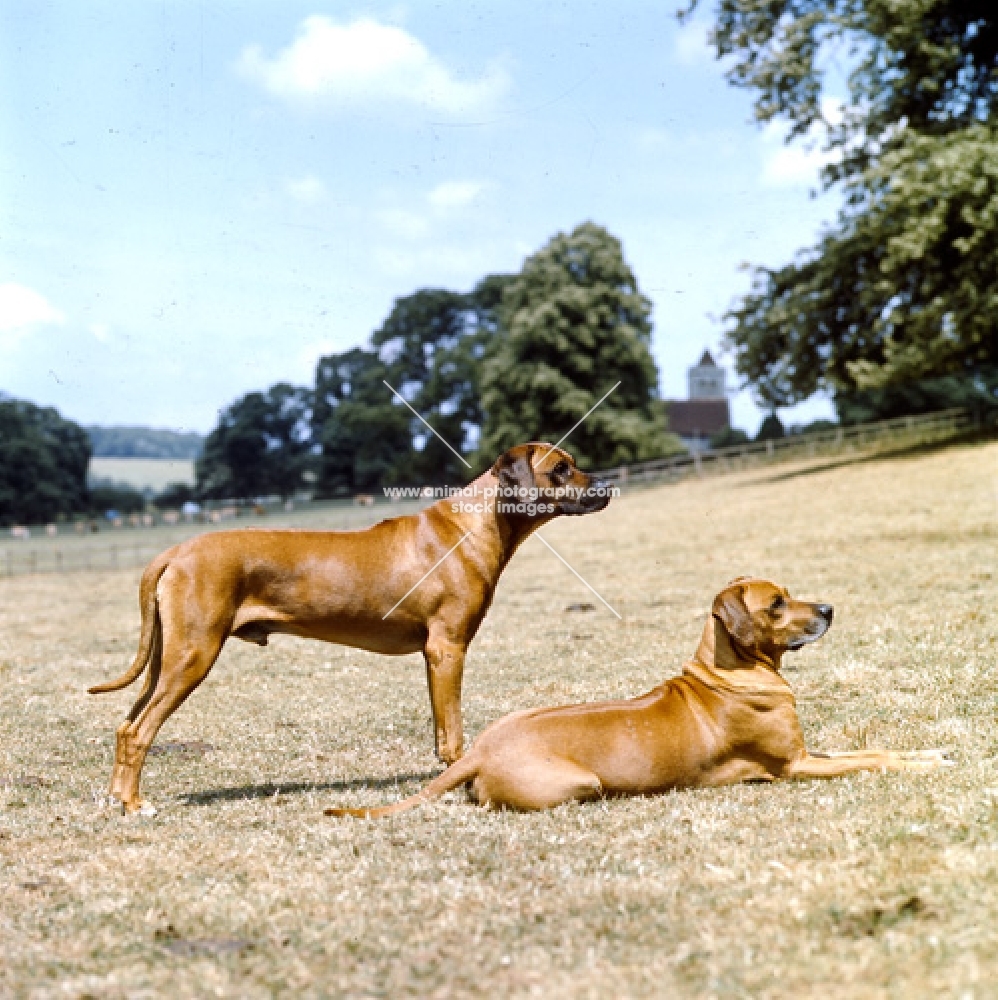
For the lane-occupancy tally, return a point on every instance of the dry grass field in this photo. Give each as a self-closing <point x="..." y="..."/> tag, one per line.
<point x="868" y="886"/>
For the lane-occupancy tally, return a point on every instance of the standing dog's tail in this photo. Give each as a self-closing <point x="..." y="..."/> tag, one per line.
<point x="457" y="774"/>
<point x="151" y="626"/>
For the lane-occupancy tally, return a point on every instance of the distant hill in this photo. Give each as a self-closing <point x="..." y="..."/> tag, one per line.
<point x="143" y="442"/>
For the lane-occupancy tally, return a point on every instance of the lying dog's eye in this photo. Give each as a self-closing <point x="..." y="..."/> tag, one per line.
<point x="778" y="604"/>
<point x="561" y="469"/>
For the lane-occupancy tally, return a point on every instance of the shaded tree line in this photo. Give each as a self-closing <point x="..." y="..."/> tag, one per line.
<point x="43" y="469"/>
<point x="519" y="357"/>
<point x="43" y="464"/>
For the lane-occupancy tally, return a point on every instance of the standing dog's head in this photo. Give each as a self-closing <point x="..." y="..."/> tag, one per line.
<point x="537" y="475"/>
<point x="760" y="617"/>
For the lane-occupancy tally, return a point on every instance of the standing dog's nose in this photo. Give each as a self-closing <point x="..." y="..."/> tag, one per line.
<point x="826" y="611"/>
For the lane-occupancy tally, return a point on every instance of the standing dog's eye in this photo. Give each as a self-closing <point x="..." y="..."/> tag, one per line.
<point x="561" y="469"/>
<point x="778" y="604"/>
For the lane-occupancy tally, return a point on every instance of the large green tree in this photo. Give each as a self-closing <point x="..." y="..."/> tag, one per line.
<point x="43" y="464"/>
<point x="363" y="436"/>
<point x="574" y="323"/>
<point x="432" y="344"/>
<point x="904" y="287"/>
<point x="429" y="349"/>
<point x="261" y="446"/>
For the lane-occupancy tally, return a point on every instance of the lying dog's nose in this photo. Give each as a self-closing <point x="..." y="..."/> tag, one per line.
<point x="826" y="611"/>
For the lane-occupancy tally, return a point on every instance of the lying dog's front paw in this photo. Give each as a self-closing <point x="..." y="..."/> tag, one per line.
<point x="925" y="760"/>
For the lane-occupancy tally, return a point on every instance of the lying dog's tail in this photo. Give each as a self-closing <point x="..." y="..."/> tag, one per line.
<point x="152" y="629"/>
<point x="457" y="774"/>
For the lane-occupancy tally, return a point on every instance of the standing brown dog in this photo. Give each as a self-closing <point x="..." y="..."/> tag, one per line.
<point x="419" y="582"/>
<point x="729" y="717"/>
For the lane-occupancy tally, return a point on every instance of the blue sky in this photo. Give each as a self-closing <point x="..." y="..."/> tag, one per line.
<point x="200" y="199"/>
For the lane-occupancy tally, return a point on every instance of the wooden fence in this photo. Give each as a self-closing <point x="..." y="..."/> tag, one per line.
<point x="884" y="435"/>
<point x="134" y="545"/>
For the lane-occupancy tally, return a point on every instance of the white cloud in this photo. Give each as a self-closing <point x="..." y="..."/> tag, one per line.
<point x="455" y="194"/>
<point x="692" y="47"/>
<point x="308" y="190"/>
<point x="363" y="61"/>
<point x="21" y="310"/>
<point x="403" y="223"/>
<point x="793" y="166"/>
<point x="101" y="331"/>
<point x="800" y="163"/>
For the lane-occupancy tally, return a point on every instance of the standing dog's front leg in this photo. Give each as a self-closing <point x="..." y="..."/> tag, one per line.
<point x="444" y="668"/>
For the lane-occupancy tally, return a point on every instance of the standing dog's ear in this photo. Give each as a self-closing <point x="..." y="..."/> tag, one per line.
<point x="729" y="608"/>
<point x="513" y="469"/>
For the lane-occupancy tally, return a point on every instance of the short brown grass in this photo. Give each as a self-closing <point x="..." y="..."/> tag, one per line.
<point x="881" y="885"/>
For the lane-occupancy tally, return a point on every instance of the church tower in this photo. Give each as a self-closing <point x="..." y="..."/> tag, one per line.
<point x="706" y="380"/>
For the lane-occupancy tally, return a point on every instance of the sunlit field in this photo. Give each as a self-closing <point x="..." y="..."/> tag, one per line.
<point x="154" y="473"/>
<point x="880" y="885"/>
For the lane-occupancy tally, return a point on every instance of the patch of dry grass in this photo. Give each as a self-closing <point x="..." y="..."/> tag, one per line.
<point x="882" y="885"/>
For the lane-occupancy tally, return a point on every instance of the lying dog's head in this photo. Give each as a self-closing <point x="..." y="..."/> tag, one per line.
<point x="538" y="474"/>
<point x="761" y="617"/>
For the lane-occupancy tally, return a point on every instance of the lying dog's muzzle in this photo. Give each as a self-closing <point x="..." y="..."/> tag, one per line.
<point x="816" y="628"/>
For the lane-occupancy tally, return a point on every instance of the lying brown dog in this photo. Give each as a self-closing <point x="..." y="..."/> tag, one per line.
<point x="422" y="582"/>
<point x="728" y="717"/>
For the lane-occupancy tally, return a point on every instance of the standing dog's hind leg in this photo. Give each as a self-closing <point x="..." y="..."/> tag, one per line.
<point x="181" y="672"/>
<point x="121" y="747"/>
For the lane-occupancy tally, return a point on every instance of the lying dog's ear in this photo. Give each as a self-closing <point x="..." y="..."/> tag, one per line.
<point x="513" y="469"/>
<point x="729" y="608"/>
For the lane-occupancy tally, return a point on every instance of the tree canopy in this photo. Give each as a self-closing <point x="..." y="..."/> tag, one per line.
<point x="574" y="323"/>
<point x="43" y="464"/>
<point x="432" y="344"/>
<point x="261" y="446"/>
<point x="429" y="349"/>
<point x="904" y="286"/>
<point x="362" y="436"/>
